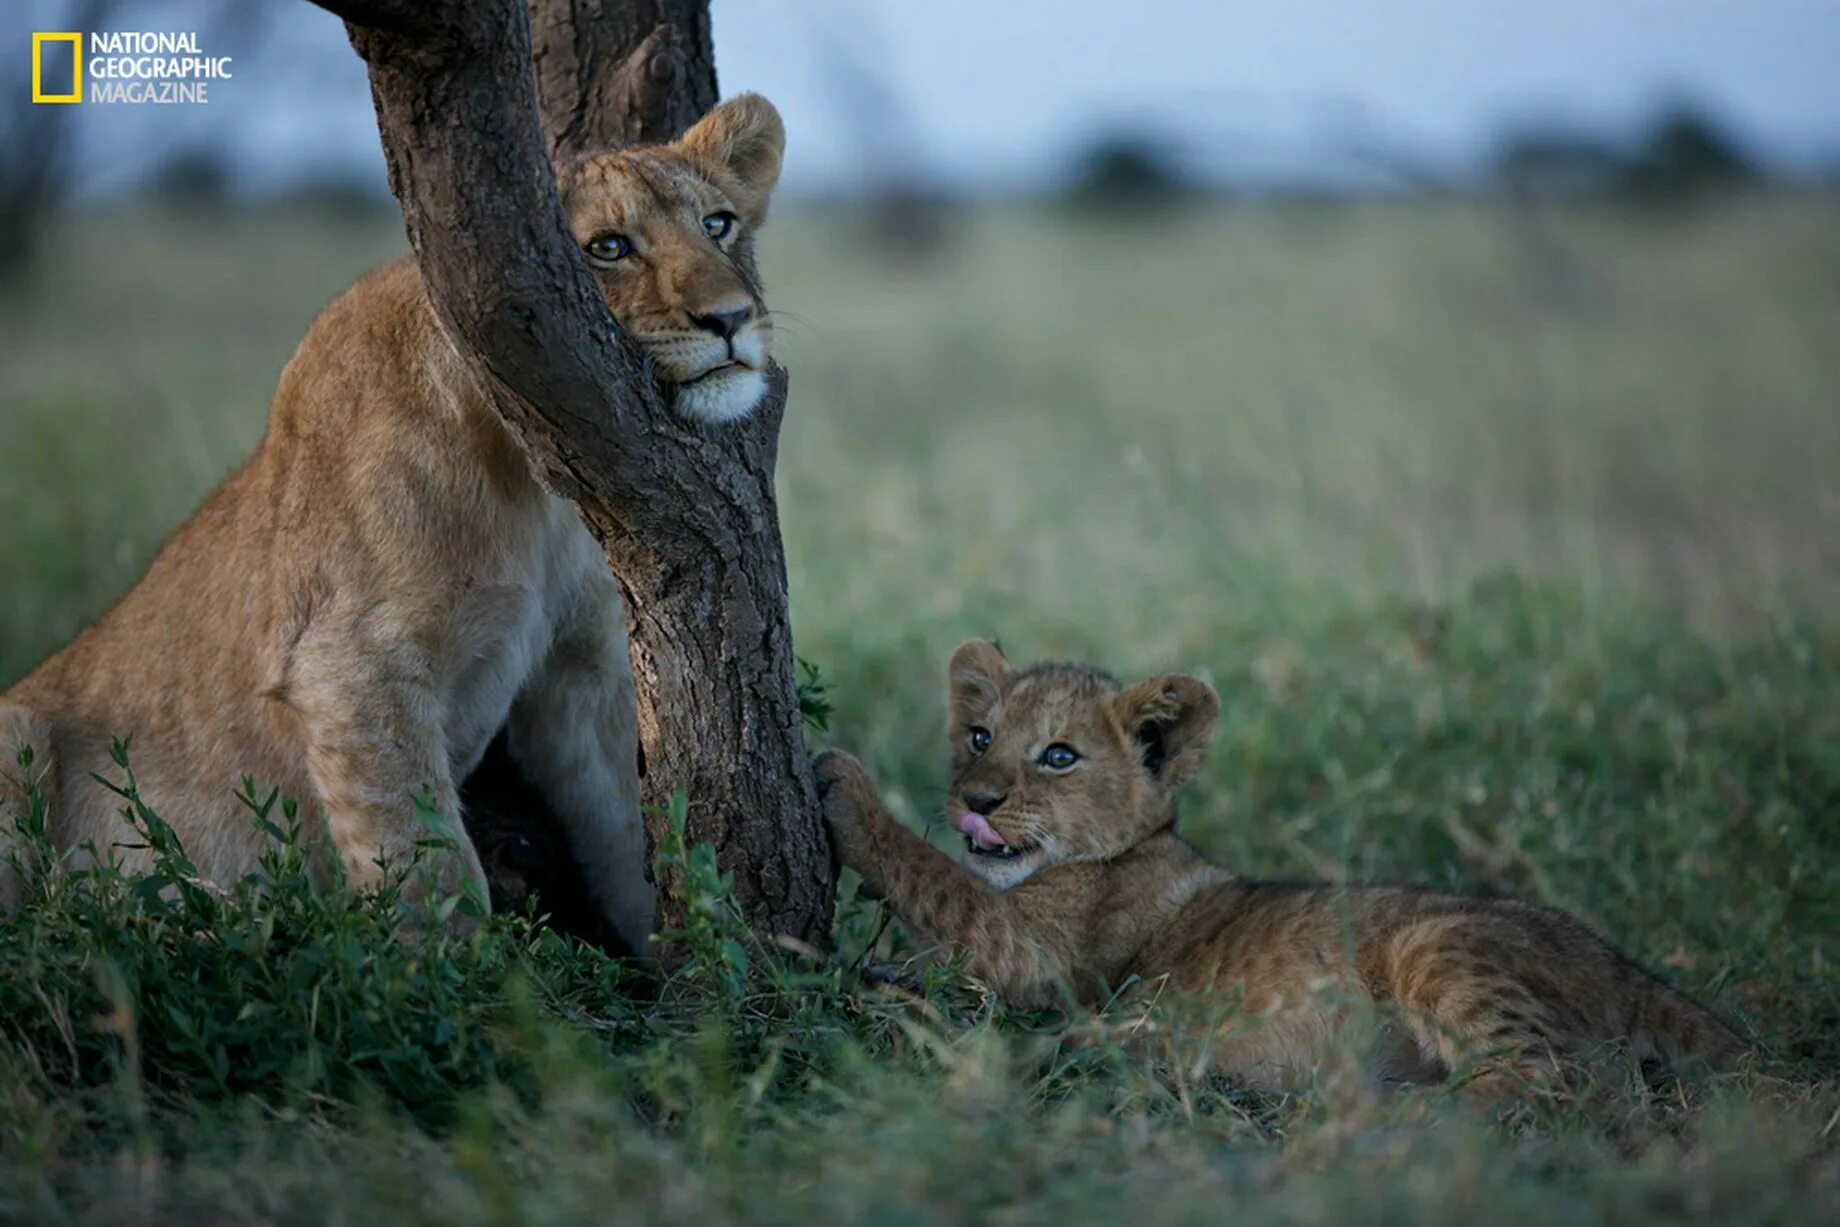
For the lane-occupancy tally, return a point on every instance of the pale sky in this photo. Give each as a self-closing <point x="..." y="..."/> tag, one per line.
<point x="999" y="93"/>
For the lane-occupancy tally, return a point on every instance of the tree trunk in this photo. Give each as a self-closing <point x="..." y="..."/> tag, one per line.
<point x="686" y="512"/>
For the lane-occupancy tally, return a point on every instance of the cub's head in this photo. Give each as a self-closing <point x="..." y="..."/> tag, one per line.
<point x="1059" y="763"/>
<point x="669" y="232"/>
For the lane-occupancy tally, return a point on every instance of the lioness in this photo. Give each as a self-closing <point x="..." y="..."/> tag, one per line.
<point x="385" y="584"/>
<point x="1063" y="786"/>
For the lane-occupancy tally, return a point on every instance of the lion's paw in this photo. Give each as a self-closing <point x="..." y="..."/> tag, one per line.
<point x="847" y="798"/>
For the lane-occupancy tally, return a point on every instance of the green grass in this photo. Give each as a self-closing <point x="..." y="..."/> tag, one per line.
<point x="1513" y="545"/>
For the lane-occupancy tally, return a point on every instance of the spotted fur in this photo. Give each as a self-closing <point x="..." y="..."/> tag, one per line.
<point x="1075" y="882"/>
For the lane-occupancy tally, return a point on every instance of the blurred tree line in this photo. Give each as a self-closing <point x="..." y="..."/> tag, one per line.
<point x="1683" y="156"/>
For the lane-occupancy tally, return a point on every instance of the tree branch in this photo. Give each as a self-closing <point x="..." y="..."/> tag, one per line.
<point x="480" y="203"/>
<point x="405" y="17"/>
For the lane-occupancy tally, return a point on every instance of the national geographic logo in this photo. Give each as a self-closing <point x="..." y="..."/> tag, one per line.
<point x="64" y="51"/>
<point x="134" y="67"/>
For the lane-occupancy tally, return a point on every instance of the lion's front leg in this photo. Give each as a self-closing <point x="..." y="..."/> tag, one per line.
<point x="375" y="743"/>
<point x="938" y="901"/>
<point x="854" y="815"/>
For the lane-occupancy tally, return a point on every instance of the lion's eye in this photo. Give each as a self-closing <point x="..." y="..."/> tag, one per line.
<point x="607" y="248"/>
<point x="1059" y="757"/>
<point x="718" y="224"/>
<point x="979" y="740"/>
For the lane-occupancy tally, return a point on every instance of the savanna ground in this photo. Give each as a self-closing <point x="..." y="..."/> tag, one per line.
<point x="1511" y="541"/>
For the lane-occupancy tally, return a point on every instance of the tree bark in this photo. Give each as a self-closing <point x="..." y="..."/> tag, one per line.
<point x="686" y="513"/>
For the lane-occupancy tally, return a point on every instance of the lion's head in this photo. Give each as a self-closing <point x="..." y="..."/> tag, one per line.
<point x="1059" y="763"/>
<point x="668" y="231"/>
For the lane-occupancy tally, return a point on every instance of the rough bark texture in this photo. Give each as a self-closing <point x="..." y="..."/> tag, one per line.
<point x="686" y="513"/>
<point x="620" y="72"/>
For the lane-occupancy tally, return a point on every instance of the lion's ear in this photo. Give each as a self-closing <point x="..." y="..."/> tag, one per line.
<point x="1171" y="721"/>
<point x="745" y="140"/>
<point x="975" y="680"/>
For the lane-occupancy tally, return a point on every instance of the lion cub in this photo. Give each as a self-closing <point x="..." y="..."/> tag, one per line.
<point x="356" y="612"/>
<point x="1074" y="877"/>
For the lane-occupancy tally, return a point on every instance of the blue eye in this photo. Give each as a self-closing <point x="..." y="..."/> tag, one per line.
<point x="1059" y="757"/>
<point x="718" y="224"/>
<point x="607" y="248"/>
<point x="979" y="740"/>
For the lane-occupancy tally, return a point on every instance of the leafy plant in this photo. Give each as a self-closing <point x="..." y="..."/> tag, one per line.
<point x="713" y="939"/>
<point x="288" y="984"/>
<point x="814" y="696"/>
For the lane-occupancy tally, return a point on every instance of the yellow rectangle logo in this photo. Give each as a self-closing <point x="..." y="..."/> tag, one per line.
<point x="76" y="67"/>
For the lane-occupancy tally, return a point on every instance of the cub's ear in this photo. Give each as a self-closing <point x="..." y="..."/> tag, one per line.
<point x="744" y="139"/>
<point x="1171" y="721"/>
<point x="975" y="680"/>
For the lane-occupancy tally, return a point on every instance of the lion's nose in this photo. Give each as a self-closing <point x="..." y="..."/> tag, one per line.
<point x="984" y="803"/>
<point x="725" y="324"/>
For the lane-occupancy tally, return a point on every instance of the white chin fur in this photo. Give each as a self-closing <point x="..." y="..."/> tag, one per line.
<point x="1002" y="875"/>
<point x="722" y="397"/>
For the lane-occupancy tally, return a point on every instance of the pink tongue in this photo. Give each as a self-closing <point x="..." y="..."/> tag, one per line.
<point x="979" y="830"/>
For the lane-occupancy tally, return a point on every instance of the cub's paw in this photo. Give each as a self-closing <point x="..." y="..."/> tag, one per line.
<point x="847" y="799"/>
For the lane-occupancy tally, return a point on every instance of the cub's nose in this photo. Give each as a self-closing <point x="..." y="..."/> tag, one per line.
<point x="725" y="324"/>
<point x="984" y="803"/>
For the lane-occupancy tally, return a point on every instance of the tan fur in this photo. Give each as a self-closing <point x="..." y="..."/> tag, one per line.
<point x="1097" y="888"/>
<point x="385" y="584"/>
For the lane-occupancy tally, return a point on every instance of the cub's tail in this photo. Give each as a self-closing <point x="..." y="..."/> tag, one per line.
<point x="26" y="769"/>
<point x="1679" y="1027"/>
